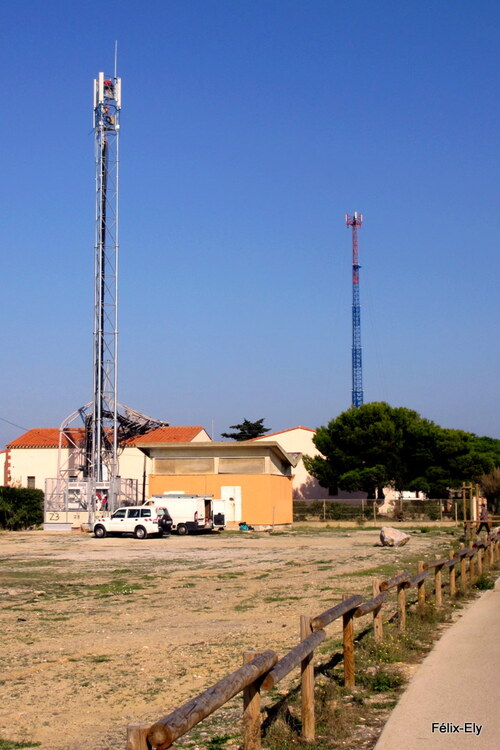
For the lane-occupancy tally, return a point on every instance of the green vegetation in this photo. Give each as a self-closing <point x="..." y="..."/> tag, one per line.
<point x="328" y="511"/>
<point x="118" y="587"/>
<point x="20" y="508"/>
<point x="246" y="430"/>
<point x="11" y="745"/>
<point x="490" y="486"/>
<point x="377" y="445"/>
<point x="218" y="741"/>
<point x="484" y="582"/>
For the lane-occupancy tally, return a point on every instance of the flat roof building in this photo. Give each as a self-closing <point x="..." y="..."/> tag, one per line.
<point x="254" y="478"/>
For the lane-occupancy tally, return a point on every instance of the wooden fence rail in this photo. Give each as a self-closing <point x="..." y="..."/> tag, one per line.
<point x="262" y="671"/>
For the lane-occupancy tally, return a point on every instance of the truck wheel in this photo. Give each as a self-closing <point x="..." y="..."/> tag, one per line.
<point x="182" y="530"/>
<point x="140" y="532"/>
<point x="100" y="531"/>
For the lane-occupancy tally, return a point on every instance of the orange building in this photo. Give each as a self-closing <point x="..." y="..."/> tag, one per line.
<point x="255" y="479"/>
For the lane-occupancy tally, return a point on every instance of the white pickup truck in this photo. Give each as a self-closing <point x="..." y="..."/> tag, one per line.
<point x="136" y="519"/>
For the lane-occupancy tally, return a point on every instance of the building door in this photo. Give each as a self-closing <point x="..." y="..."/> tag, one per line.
<point x="232" y="501"/>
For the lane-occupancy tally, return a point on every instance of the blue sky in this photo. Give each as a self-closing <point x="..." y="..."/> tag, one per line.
<point x="249" y="128"/>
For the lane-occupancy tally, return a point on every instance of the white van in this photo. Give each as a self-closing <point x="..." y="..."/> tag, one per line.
<point x="189" y="513"/>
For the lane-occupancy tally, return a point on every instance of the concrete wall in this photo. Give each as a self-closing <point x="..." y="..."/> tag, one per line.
<point x="3" y="465"/>
<point x="300" y="440"/>
<point x="305" y="487"/>
<point x="131" y="465"/>
<point x="40" y="463"/>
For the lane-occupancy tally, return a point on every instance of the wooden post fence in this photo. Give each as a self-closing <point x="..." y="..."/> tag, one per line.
<point x="378" y="628"/>
<point x="348" y="646"/>
<point x="463" y="571"/>
<point x="438" y="583"/>
<point x="137" y="736"/>
<point x="453" y="576"/>
<point x="480" y="554"/>
<point x="307" y="691"/>
<point x="421" y="585"/>
<point x="251" y="709"/>
<point x="262" y="671"/>
<point x="472" y="568"/>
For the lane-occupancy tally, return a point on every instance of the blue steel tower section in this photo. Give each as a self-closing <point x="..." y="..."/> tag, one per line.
<point x="354" y="222"/>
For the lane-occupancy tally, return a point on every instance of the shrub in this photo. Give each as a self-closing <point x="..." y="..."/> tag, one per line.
<point x="20" y="508"/>
<point x="484" y="582"/>
<point x="330" y="511"/>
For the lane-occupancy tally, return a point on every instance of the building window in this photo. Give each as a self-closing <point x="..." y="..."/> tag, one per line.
<point x="183" y="466"/>
<point x="242" y="465"/>
<point x="31" y="483"/>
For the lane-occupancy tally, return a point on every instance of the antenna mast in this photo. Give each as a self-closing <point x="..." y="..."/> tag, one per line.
<point x="104" y="433"/>
<point x="354" y="222"/>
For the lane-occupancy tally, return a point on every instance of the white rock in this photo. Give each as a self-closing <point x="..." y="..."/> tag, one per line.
<point x="392" y="537"/>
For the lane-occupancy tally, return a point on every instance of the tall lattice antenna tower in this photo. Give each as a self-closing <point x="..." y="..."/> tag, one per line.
<point x="102" y="452"/>
<point x="354" y="222"/>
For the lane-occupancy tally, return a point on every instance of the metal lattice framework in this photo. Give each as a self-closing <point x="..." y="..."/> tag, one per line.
<point x="104" y="433"/>
<point x="354" y="222"/>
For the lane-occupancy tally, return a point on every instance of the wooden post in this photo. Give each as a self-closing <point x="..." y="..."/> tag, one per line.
<point x="307" y="687"/>
<point x="251" y="710"/>
<point x="378" y="630"/>
<point x="402" y="605"/>
<point x="137" y="736"/>
<point x="421" y="585"/>
<point x="438" y="583"/>
<point x="472" y="570"/>
<point x="348" y="638"/>
<point x="463" y="572"/>
<point x="491" y="551"/>
<point x="453" y="577"/>
<point x="480" y="553"/>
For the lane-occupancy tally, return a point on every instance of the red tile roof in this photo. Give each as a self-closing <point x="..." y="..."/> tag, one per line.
<point x="171" y="434"/>
<point x="48" y="437"/>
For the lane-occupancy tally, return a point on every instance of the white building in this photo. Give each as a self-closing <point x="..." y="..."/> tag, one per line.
<point x="34" y="456"/>
<point x="306" y="487"/>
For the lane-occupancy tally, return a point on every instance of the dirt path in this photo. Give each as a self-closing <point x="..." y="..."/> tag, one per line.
<point x="100" y="633"/>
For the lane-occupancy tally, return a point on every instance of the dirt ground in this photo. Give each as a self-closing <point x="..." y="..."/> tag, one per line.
<point x="97" y="634"/>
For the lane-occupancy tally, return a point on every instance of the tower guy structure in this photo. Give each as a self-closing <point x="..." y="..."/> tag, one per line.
<point x="103" y="435"/>
<point x="88" y="475"/>
<point x="354" y="222"/>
